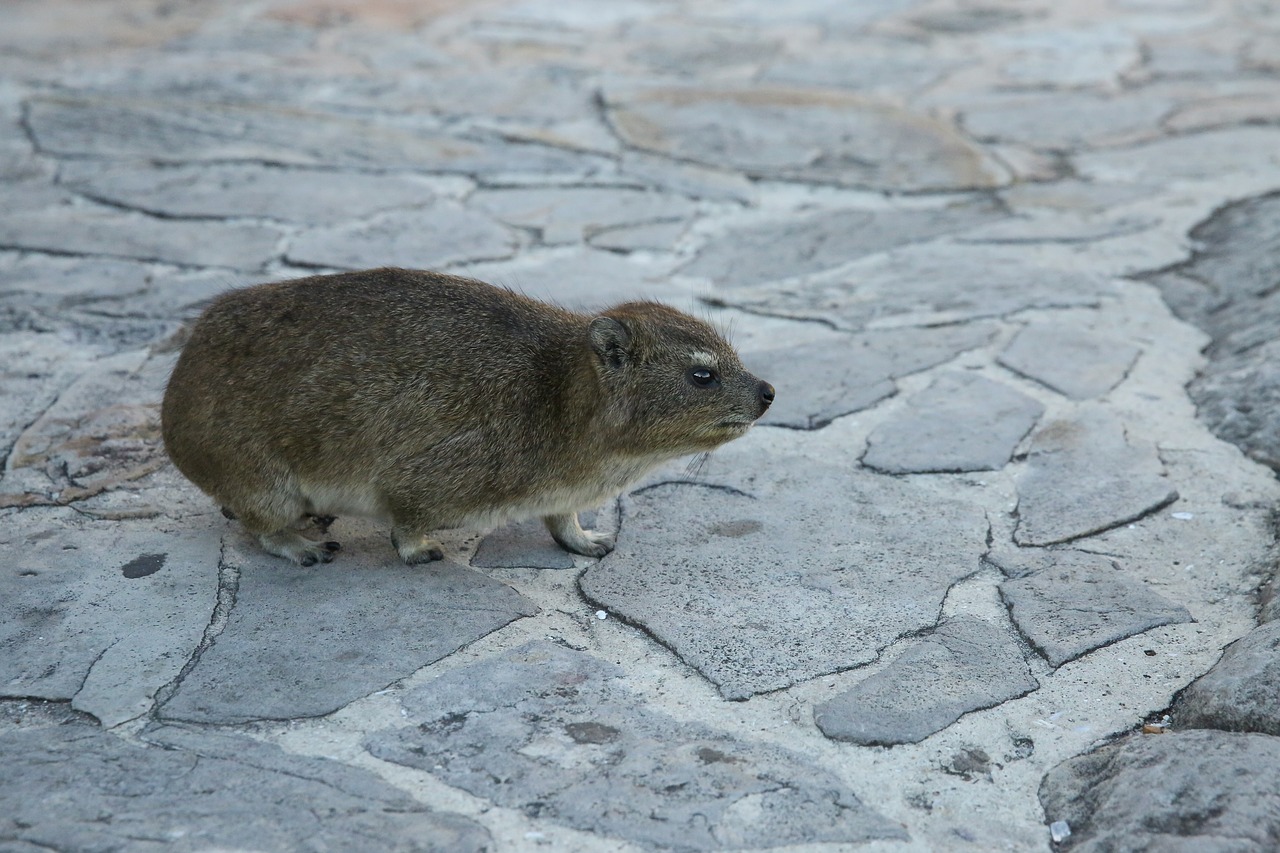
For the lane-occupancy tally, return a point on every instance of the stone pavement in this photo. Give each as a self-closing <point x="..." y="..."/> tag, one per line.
<point x="998" y="564"/>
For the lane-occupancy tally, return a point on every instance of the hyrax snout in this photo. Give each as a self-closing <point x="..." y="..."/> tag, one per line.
<point x="431" y="401"/>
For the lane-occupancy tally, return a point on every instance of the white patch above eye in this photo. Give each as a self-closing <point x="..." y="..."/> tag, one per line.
<point x="698" y="358"/>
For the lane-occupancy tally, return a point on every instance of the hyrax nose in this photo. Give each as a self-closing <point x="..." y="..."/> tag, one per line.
<point x="766" y="394"/>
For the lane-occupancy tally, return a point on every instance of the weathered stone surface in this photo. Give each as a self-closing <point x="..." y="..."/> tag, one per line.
<point x="739" y="585"/>
<point x="303" y="642"/>
<point x="553" y="733"/>
<point x="821" y="135"/>
<point x="823" y="381"/>
<point x="584" y="279"/>
<point x="1057" y="228"/>
<point x="962" y="422"/>
<point x="245" y="190"/>
<point x="437" y="236"/>
<point x="1254" y="108"/>
<point x="1242" y="691"/>
<point x="181" y="130"/>
<point x="866" y="66"/>
<point x="97" y="231"/>
<point x="659" y="237"/>
<point x="83" y="789"/>
<point x="929" y="284"/>
<point x="1195" y="790"/>
<point x="1067" y="121"/>
<point x="801" y="245"/>
<point x="571" y="214"/>
<point x="1085" y="475"/>
<point x="964" y="665"/>
<point x="1069" y="603"/>
<point x="1072" y="361"/>
<point x="1228" y="289"/>
<point x="79" y="628"/>
<point x="1067" y="57"/>
<point x="1212" y="155"/>
<point x="691" y="179"/>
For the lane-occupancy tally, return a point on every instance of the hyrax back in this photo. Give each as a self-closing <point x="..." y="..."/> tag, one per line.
<point x="432" y="401"/>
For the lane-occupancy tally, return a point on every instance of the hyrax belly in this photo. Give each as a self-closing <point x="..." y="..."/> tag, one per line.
<point x="431" y="401"/>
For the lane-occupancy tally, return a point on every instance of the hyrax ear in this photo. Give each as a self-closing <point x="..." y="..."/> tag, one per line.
<point x="610" y="340"/>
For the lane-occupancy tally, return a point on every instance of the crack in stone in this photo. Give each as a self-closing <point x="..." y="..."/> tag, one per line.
<point x="227" y="590"/>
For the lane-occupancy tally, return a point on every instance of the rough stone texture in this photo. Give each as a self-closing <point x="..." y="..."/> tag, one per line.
<point x="79" y="628"/>
<point x="83" y="789"/>
<point x="929" y="284"/>
<point x="1242" y="691"/>
<point x="1068" y="603"/>
<point x="1212" y="155"/>
<point x="102" y="231"/>
<point x="1084" y="475"/>
<point x="302" y="642"/>
<point x="245" y="190"/>
<point x="964" y="665"/>
<point x="551" y="732"/>
<point x="962" y="422"/>
<point x="1196" y="790"/>
<point x="823" y="381"/>
<point x="802" y="245"/>
<point x="585" y="279"/>
<point x="438" y="236"/>
<point x="176" y="130"/>
<point x="659" y="236"/>
<point x="572" y="214"/>
<point x="1075" y="362"/>
<point x="751" y="598"/>
<point x="1228" y="288"/>
<point x="1067" y="121"/>
<point x="790" y="133"/>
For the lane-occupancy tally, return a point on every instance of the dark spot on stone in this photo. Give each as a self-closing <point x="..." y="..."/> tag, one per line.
<point x="968" y="763"/>
<point x="447" y="723"/>
<point x="1149" y="652"/>
<point x="707" y="755"/>
<point x="591" y="732"/>
<point x="27" y="573"/>
<point x="1023" y="747"/>
<point x="741" y="527"/>
<point x="143" y="565"/>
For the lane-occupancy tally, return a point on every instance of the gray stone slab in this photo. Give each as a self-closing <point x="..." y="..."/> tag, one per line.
<point x="245" y="190"/>
<point x="584" y="279"/>
<point x="303" y="642"/>
<point x="1068" y="120"/>
<point x="961" y="422"/>
<point x="1084" y="474"/>
<point x="430" y="238"/>
<point x="813" y="242"/>
<point x="1069" y="603"/>
<point x="1242" y="691"/>
<point x="1186" y="791"/>
<point x="553" y="733"/>
<point x="1067" y="57"/>
<point x="691" y="179"/>
<point x="1075" y="362"/>
<point x="186" y="130"/>
<point x="657" y="237"/>
<point x="822" y="381"/>
<point x="965" y="664"/>
<point x="868" y="66"/>
<point x="82" y="230"/>
<point x="1207" y="156"/>
<point x="79" y="628"/>
<point x="571" y="214"/>
<point x="1064" y="228"/>
<point x="741" y="586"/>
<point x="929" y="284"/>
<point x="821" y="135"/>
<point x="83" y="789"/>
<point x="1228" y="289"/>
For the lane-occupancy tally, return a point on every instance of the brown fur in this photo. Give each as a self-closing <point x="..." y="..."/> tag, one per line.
<point x="433" y="401"/>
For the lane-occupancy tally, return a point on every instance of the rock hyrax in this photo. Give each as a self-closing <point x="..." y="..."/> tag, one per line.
<point x="432" y="401"/>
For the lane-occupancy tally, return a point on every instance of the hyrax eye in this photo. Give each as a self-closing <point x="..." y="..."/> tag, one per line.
<point x="704" y="377"/>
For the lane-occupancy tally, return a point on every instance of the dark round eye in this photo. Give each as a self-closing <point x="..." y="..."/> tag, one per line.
<point x="704" y="377"/>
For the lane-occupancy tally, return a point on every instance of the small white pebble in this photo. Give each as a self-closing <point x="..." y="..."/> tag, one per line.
<point x="1183" y="516"/>
<point x="1059" y="830"/>
<point x="533" y="836"/>
<point x="600" y="614"/>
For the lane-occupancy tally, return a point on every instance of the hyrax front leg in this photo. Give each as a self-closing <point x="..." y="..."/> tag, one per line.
<point x="415" y="548"/>
<point x="570" y="536"/>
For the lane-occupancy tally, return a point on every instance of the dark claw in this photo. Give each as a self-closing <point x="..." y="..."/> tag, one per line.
<point x="333" y="546"/>
<point x="226" y="513"/>
<point x="326" y="557"/>
<point x="434" y="554"/>
<point x="309" y="560"/>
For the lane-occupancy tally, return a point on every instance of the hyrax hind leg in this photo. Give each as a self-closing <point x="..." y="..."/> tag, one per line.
<point x="570" y="536"/>
<point x="275" y="523"/>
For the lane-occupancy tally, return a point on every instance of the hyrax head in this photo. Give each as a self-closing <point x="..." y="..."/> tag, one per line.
<point x="673" y="380"/>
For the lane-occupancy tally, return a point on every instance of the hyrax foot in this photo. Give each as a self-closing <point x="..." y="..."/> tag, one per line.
<point x="570" y="536"/>
<point x="416" y="549"/>
<point x="293" y="546"/>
